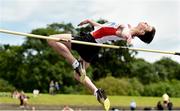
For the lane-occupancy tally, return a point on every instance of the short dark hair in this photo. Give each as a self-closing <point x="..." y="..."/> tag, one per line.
<point x="148" y="36"/>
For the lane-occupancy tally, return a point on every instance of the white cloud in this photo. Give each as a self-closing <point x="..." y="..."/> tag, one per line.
<point x="43" y="11"/>
<point x="17" y="10"/>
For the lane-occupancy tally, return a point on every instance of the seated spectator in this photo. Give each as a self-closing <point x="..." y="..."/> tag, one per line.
<point x="15" y="94"/>
<point x="67" y="108"/>
<point x="170" y="106"/>
<point x="23" y="99"/>
<point x="133" y="105"/>
<point x="159" y="106"/>
<point x="166" y="102"/>
<point x="165" y="99"/>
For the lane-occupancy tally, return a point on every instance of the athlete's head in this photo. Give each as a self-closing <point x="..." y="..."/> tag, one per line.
<point x="146" y="32"/>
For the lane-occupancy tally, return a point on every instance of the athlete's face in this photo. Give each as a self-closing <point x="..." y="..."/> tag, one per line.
<point x="144" y="26"/>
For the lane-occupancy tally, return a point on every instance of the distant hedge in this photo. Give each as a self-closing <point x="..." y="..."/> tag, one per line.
<point x="126" y="86"/>
<point x="5" y="86"/>
<point x="172" y="88"/>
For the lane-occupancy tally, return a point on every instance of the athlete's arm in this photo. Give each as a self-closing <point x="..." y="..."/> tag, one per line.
<point x="93" y="23"/>
<point x="127" y="36"/>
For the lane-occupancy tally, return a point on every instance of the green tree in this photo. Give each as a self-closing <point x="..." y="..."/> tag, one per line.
<point x="45" y="63"/>
<point x="5" y="86"/>
<point x="123" y="86"/>
<point x="34" y="64"/>
<point x="144" y="71"/>
<point x="167" y="68"/>
<point x="11" y="60"/>
<point x="172" y="88"/>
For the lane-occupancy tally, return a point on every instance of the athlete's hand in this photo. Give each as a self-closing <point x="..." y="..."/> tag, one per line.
<point x="83" y="22"/>
<point x="129" y="41"/>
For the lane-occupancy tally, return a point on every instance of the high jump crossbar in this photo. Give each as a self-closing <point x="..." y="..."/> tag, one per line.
<point x="87" y="43"/>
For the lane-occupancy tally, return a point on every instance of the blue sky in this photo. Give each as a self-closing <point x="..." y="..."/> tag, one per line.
<point x="25" y="15"/>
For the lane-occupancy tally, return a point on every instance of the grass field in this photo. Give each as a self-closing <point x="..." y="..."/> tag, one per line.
<point x="85" y="100"/>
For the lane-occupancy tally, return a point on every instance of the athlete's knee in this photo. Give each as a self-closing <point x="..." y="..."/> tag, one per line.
<point x="76" y="76"/>
<point x="51" y="42"/>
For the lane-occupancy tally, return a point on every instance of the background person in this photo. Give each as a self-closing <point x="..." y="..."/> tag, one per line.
<point x="51" y="87"/>
<point x="133" y="105"/>
<point x="166" y="102"/>
<point x="159" y="106"/>
<point x="23" y="99"/>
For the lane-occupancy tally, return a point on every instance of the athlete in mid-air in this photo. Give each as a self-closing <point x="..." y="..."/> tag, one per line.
<point x="102" y="33"/>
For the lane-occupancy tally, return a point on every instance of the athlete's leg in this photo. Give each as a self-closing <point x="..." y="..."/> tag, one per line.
<point x="99" y="93"/>
<point x="87" y="82"/>
<point x="63" y="48"/>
